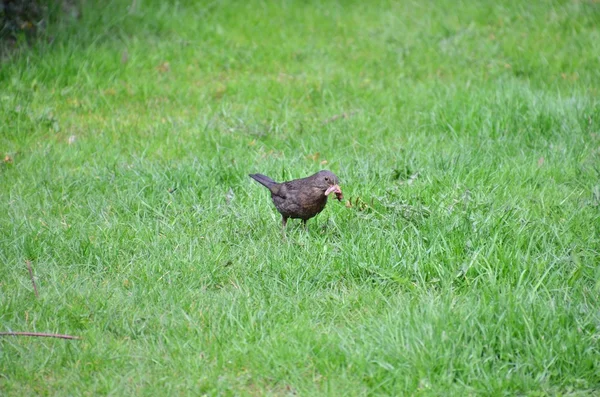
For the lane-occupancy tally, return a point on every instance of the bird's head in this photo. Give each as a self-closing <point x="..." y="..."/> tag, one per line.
<point x="329" y="183"/>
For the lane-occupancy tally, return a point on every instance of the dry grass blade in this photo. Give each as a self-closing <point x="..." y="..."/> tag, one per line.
<point x="37" y="295"/>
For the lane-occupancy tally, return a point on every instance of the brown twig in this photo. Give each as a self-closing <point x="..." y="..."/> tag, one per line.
<point x="32" y="279"/>
<point x="340" y="116"/>
<point x="39" y="334"/>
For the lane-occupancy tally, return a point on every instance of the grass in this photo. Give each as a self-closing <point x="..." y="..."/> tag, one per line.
<point x="467" y="264"/>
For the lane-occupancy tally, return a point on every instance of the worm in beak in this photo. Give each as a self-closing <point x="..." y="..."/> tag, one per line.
<point x="335" y="189"/>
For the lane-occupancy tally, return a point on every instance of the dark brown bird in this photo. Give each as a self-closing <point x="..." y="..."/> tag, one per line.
<point x="301" y="198"/>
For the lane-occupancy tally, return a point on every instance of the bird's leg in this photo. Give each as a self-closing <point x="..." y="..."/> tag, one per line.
<point x="283" y="225"/>
<point x="305" y="224"/>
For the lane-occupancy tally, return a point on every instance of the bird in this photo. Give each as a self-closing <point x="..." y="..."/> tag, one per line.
<point x="301" y="198"/>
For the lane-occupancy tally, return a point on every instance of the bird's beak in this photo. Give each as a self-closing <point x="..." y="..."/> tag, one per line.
<point x="334" y="189"/>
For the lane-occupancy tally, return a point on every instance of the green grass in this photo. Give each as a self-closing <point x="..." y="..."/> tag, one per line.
<point x="469" y="262"/>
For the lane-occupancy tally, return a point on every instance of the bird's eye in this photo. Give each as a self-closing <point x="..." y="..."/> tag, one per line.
<point x="327" y="179"/>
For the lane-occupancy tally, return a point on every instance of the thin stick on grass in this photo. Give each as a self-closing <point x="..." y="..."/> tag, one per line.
<point x="32" y="279"/>
<point x="344" y="115"/>
<point x="39" y="334"/>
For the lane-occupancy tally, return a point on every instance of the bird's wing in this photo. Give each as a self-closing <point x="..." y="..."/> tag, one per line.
<point x="279" y="190"/>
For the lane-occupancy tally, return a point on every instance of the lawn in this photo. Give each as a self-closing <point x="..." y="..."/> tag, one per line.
<point x="464" y="260"/>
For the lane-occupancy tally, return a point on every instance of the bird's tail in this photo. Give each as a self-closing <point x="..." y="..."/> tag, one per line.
<point x="263" y="180"/>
